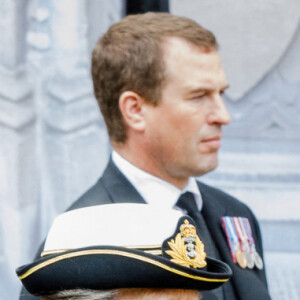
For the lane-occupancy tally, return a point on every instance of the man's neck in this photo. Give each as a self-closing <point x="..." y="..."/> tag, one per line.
<point x="150" y="167"/>
<point x="155" y="190"/>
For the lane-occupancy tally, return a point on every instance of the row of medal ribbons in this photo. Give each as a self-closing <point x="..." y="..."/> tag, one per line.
<point x="240" y="240"/>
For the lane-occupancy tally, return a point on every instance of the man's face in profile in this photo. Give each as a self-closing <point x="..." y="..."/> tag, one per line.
<point x="184" y="129"/>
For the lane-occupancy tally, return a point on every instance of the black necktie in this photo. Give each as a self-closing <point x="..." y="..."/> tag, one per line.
<point x="187" y="202"/>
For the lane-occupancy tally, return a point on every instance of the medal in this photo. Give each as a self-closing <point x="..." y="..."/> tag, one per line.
<point x="241" y="259"/>
<point x="245" y="252"/>
<point x="258" y="261"/>
<point x="233" y="240"/>
<point x="254" y="254"/>
<point x="241" y="242"/>
<point x="250" y="260"/>
<point x="246" y="244"/>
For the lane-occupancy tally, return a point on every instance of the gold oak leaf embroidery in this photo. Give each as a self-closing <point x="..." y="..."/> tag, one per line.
<point x="179" y="255"/>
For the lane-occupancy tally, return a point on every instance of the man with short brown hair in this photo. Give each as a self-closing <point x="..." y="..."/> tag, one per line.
<point x="159" y="81"/>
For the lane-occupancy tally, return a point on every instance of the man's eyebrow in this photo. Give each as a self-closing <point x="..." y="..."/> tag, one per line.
<point x="207" y="88"/>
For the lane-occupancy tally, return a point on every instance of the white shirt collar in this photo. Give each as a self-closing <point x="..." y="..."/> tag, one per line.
<point x="154" y="190"/>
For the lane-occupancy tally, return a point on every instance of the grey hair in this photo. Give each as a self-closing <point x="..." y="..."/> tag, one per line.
<point x="82" y="294"/>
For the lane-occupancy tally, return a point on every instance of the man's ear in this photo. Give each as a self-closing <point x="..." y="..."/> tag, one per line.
<point x="131" y="106"/>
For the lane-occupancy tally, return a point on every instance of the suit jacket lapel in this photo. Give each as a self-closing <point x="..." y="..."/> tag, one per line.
<point x="244" y="280"/>
<point x="211" y="213"/>
<point x="118" y="186"/>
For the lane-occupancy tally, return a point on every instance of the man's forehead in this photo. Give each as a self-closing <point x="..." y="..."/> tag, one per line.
<point x="178" y="53"/>
<point x="193" y="66"/>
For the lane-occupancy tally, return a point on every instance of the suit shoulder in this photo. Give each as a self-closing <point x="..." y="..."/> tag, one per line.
<point x="95" y="195"/>
<point x="220" y="201"/>
<point x="230" y="203"/>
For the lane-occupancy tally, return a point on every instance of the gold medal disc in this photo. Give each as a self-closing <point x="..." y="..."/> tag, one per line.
<point x="241" y="259"/>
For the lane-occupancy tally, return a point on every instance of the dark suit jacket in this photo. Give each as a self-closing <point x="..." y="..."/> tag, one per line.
<point x="113" y="187"/>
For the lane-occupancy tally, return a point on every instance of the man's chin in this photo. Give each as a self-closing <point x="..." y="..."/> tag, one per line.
<point x="206" y="168"/>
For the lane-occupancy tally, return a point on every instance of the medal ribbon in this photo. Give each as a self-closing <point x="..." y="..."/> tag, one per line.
<point x="247" y="228"/>
<point x="249" y="231"/>
<point x="232" y="251"/>
<point x="239" y="232"/>
<point x="231" y="236"/>
<point x="244" y="236"/>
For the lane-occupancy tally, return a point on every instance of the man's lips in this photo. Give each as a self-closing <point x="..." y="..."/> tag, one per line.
<point x="214" y="142"/>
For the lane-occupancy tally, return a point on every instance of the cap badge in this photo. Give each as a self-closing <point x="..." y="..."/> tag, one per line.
<point x="187" y="249"/>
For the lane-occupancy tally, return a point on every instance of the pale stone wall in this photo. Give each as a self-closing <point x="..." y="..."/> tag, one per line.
<point x="53" y="142"/>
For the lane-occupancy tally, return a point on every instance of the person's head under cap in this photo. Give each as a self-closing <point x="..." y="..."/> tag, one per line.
<point x="123" y="251"/>
<point x="125" y="294"/>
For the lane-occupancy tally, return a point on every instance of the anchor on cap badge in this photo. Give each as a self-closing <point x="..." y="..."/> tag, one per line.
<point x="187" y="249"/>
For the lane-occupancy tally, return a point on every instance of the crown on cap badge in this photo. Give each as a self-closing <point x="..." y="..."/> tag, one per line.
<point x="187" y="249"/>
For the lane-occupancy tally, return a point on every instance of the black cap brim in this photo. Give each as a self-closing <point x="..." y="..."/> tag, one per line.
<point x="109" y="267"/>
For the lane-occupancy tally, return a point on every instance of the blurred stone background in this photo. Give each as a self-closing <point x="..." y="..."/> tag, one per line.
<point x="53" y="142"/>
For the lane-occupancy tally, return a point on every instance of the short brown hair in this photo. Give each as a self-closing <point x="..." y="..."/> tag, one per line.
<point x="129" y="57"/>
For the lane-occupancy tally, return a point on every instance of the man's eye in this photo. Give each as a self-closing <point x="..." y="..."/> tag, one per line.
<point x="199" y="96"/>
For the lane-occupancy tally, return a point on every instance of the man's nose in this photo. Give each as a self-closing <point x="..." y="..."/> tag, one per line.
<point x="219" y="113"/>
